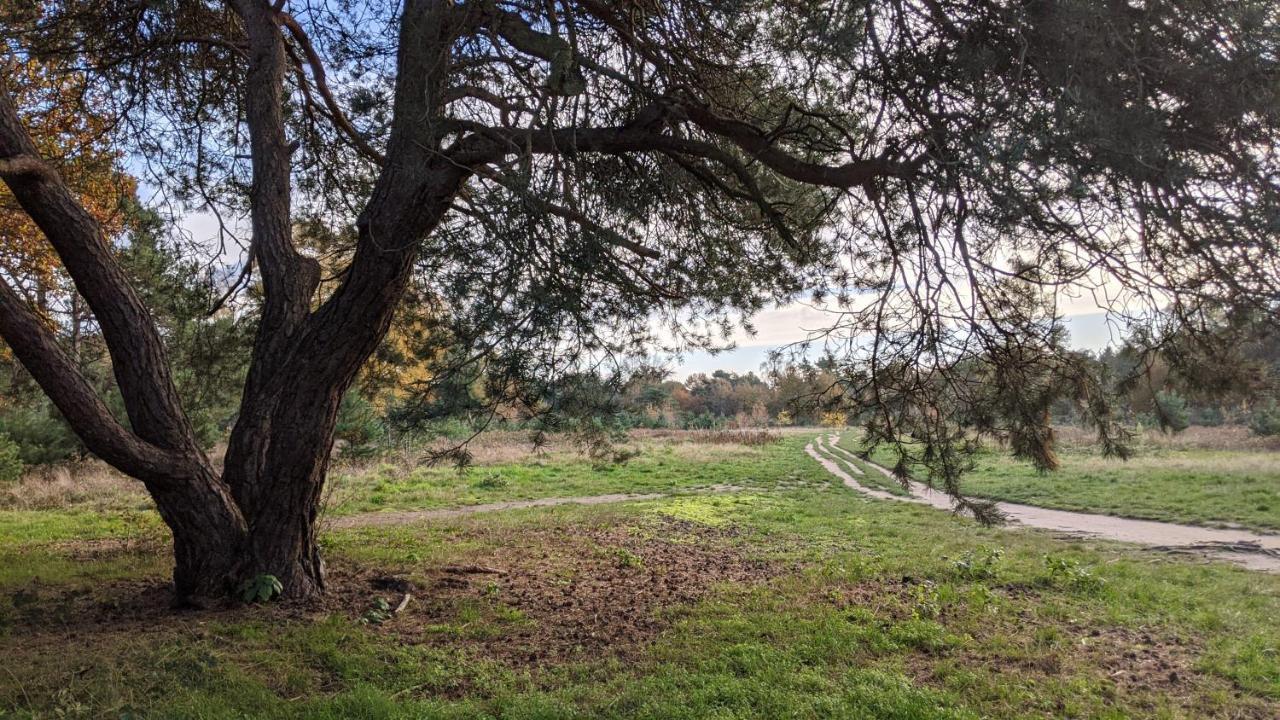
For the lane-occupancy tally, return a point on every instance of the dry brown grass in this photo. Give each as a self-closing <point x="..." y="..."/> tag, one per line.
<point x="735" y="437"/>
<point x="90" y="483"/>
<point x="502" y="447"/>
<point x="1225" y="437"/>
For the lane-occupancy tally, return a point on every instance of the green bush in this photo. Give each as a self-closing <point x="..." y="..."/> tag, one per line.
<point x="1265" y="421"/>
<point x="359" y="424"/>
<point x="40" y="433"/>
<point x="1211" y="416"/>
<point x="11" y="465"/>
<point x="1172" y="412"/>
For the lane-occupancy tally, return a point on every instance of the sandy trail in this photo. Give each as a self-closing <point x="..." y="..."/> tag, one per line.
<point x="1252" y="550"/>
<point x="402" y="517"/>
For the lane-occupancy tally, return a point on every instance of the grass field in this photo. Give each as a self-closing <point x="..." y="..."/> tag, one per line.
<point x="784" y="595"/>
<point x="1206" y="476"/>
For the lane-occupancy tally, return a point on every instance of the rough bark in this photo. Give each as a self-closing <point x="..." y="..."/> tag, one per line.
<point x="303" y="362"/>
<point x="160" y="447"/>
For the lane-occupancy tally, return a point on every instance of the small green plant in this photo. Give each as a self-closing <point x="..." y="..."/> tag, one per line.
<point x="379" y="613"/>
<point x="261" y="588"/>
<point x="927" y="601"/>
<point x="1065" y="572"/>
<point x="627" y="559"/>
<point x="492" y="481"/>
<point x="982" y="563"/>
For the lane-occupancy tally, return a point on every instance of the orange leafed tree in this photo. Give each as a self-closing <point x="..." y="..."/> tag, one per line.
<point x="60" y="114"/>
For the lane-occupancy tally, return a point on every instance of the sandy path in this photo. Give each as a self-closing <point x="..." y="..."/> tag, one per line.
<point x="1219" y="543"/>
<point x="402" y="517"/>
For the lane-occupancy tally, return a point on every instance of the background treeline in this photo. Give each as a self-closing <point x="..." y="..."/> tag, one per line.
<point x="1239" y="385"/>
<point x="403" y="396"/>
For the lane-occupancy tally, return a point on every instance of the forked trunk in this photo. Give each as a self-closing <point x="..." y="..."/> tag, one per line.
<point x="209" y="537"/>
<point x="259" y="519"/>
<point x="282" y="520"/>
<point x="276" y="466"/>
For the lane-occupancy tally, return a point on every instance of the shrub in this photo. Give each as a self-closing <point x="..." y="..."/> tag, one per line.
<point x="40" y="433"/>
<point x="1171" y="412"/>
<point x="358" y="423"/>
<point x="1211" y="416"/>
<point x="1265" y="421"/>
<point x="11" y="465"/>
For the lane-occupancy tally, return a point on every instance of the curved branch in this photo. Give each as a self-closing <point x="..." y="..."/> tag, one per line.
<point x="322" y="86"/>
<point x="488" y="144"/>
<point x="137" y="352"/>
<point x="73" y="395"/>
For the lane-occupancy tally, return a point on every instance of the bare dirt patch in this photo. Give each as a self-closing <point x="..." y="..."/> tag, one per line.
<point x="540" y="595"/>
<point x="559" y="593"/>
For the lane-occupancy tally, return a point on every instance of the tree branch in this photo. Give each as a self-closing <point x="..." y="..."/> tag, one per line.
<point x="61" y="379"/>
<point x="322" y="86"/>
<point x="611" y="236"/>
<point x="19" y="166"/>
<point x="488" y="144"/>
<point x="137" y="352"/>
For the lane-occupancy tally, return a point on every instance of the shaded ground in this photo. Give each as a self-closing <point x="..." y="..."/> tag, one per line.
<point x="544" y="594"/>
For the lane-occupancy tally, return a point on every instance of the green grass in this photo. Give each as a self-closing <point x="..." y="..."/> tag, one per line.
<point x="875" y="609"/>
<point x="663" y="469"/>
<point x="1191" y="486"/>
<point x="1195" y="486"/>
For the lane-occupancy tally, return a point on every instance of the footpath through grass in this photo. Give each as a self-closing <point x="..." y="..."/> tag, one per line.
<point x="791" y="598"/>
<point x="1165" y="481"/>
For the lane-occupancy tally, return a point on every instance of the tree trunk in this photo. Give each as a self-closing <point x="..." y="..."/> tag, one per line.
<point x="209" y="537"/>
<point x="276" y="467"/>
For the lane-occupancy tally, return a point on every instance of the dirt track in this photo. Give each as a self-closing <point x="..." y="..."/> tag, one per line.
<point x="1252" y="550"/>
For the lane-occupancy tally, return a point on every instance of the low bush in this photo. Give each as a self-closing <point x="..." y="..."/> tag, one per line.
<point x="359" y="424"/>
<point x="1265" y="421"/>
<point x="11" y="465"/>
<point x="40" y="433"/>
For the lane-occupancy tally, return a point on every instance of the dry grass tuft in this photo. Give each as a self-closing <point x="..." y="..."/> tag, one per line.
<point x="734" y="437"/>
<point x="90" y="483"/>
